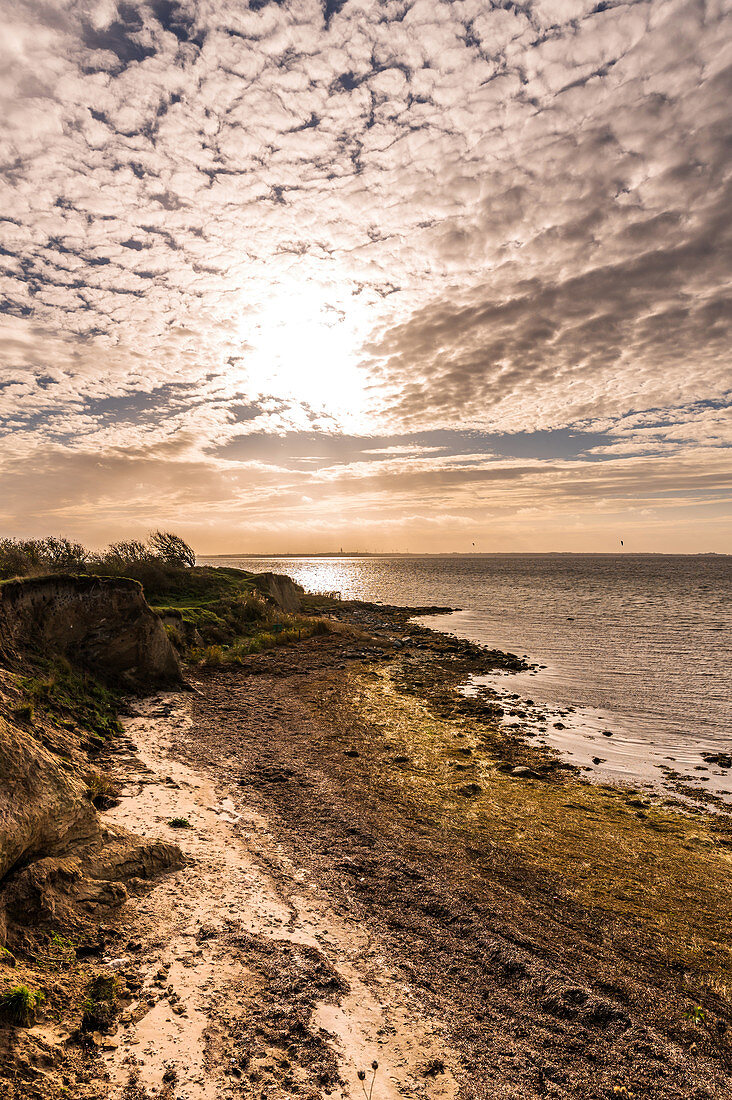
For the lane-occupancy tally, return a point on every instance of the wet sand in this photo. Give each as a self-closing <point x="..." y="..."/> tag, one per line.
<point x="609" y="747"/>
<point x="247" y="970"/>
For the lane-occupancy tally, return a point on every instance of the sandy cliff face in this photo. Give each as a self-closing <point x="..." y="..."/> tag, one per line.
<point x="44" y="806"/>
<point x="101" y="623"/>
<point x="53" y="854"/>
<point x="281" y="589"/>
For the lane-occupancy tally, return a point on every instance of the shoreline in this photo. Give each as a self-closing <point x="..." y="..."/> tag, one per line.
<point x="579" y="733"/>
<point x="449" y="886"/>
<point x="377" y="869"/>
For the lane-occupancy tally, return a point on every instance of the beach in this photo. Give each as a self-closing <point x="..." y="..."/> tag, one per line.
<point x="330" y="867"/>
<point x="379" y="874"/>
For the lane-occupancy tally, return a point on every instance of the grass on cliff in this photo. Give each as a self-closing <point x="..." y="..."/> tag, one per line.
<point x="217" y="619"/>
<point x="205" y="606"/>
<point x="71" y="698"/>
<point x="277" y="630"/>
<point x="19" y="1003"/>
<point x="100" y="1006"/>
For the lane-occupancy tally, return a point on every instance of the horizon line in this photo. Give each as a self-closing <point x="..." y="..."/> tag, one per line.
<point x="469" y="554"/>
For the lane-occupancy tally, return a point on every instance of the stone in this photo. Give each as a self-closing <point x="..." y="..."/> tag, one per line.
<point x="470" y="790"/>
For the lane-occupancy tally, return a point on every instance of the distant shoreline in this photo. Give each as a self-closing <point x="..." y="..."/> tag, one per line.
<point x="473" y="554"/>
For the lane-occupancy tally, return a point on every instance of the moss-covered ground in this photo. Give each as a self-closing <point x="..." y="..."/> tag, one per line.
<point x="70" y="698"/>
<point x="642" y="869"/>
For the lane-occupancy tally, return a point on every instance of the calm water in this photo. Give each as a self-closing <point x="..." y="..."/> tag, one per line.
<point x="640" y="645"/>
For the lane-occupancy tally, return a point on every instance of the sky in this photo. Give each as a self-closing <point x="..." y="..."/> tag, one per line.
<point x="390" y="276"/>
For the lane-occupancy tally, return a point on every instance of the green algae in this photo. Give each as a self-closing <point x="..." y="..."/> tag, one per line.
<point x="658" y="880"/>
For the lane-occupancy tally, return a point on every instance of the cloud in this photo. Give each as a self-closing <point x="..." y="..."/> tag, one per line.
<point x="362" y="221"/>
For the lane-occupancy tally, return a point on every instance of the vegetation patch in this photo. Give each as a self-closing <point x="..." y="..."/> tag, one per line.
<point x="661" y="879"/>
<point x="163" y="552"/>
<point x="104" y="792"/>
<point x="24" y="713"/>
<point x="70" y="697"/>
<point x="18" y="1005"/>
<point x="278" y="630"/>
<point x="57" y="955"/>
<point x="100" y="1007"/>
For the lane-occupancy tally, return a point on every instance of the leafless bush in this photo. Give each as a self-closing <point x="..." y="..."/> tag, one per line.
<point x="21" y="557"/>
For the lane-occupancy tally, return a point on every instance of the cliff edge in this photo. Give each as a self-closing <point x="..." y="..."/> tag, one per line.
<point x="101" y="623"/>
<point x="280" y="589"/>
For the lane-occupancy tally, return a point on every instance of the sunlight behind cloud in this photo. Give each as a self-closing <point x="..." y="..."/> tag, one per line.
<point x="304" y="349"/>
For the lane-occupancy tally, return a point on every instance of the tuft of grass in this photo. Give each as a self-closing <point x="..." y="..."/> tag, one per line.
<point x="212" y="656"/>
<point x="7" y="957"/>
<point x="19" y="1003"/>
<point x="103" y="791"/>
<point x="100" y="1006"/>
<point x="179" y="823"/>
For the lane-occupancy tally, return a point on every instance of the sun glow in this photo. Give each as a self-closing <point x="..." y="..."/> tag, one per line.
<point x="304" y="347"/>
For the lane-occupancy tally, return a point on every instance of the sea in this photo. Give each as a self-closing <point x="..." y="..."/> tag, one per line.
<point x="631" y="654"/>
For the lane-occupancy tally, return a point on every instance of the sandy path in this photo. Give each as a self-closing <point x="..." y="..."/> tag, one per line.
<point x="237" y="938"/>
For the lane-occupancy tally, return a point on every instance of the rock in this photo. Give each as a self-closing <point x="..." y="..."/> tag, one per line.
<point x="522" y="771"/>
<point x="44" y="808"/>
<point x="721" y="759"/>
<point x="470" y="790"/>
<point x="102" y="623"/>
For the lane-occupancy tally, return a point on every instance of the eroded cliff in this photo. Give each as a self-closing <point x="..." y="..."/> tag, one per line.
<point x="57" y="635"/>
<point x="101" y="623"/>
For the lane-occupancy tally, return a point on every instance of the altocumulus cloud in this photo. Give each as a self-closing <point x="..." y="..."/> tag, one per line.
<point x="473" y="256"/>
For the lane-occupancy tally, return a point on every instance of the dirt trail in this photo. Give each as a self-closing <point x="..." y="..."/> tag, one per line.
<point x="252" y="984"/>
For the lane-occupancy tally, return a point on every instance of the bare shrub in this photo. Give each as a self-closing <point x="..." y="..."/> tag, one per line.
<point x="171" y="549"/>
